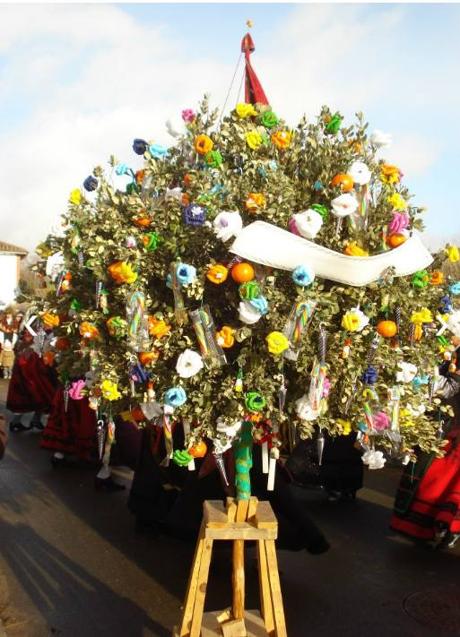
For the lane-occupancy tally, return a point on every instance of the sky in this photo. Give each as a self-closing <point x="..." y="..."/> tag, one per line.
<point x="78" y="82"/>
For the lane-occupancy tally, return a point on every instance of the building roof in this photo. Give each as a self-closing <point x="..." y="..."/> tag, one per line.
<point x="10" y="248"/>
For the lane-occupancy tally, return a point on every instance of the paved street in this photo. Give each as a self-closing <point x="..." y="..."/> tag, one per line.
<point x="76" y="567"/>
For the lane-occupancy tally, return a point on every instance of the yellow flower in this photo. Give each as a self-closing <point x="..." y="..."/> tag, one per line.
<point x="354" y="250"/>
<point x="245" y="110"/>
<point x="255" y="201"/>
<point x="345" y="426"/>
<point x="453" y="254"/>
<point x="390" y="174"/>
<point x="351" y="321"/>
<point x="158" y="328"/>
<point x="88" y="330"/>
<point x="75" y="197"/>
<point x="122" y="272"/>
<point x="253" y="139"/>
<point x="282" y="139"/>
<point x="226" y="336"/>
<point x="422" y="316"/>
<point x="109" y="390"/>
<point x="203" y="144"/>
<point x="50" y="320"/>
<point x="405" y="418"/>
<point x="397" y="201"/>
<point x="277" y="343"/>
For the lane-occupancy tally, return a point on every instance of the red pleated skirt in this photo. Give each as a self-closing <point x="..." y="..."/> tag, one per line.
<point x="32" y="385"/>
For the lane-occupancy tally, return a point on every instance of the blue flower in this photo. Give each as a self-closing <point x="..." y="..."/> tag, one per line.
<point x="303" y="275"/>
<point x="194" y="215"/>
<point x="123" y="169"/>
<point x="261" y="304"/>
<point x="446" y="305"/>
<point x="455" y="288"/>
<point x="370" y="376"/>
<point x="157" y="151"/>
<point x="273" y="165"/>
<point x="175" y="396"/>
<point x="318" y="185"/>
<point x="90" y="183"/>
<point x="140" y="146"/>
<point x="185" y="273"/>
<point x="418" y="381"/>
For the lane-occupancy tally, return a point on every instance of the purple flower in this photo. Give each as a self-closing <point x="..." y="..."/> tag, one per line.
<point x="399" y="222"/>
<point x="90" y="183"/>
<point x="370" y="376"/>
<point x="381" y="421"/>
<point x="140" y="146"/>
<point x="188" y="115"/>
<point x="194" y="215"/>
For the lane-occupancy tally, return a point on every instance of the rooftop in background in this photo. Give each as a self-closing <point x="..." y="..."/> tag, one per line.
<point x="11" y="249"/>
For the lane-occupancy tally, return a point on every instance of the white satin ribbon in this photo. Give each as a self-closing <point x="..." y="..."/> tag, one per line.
<point x="264" y="243"/>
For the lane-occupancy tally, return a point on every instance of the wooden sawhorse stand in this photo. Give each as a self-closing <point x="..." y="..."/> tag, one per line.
<point x="238" y="521"/>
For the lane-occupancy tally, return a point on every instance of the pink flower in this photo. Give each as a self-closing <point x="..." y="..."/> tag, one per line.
<point x="326" y="387"/>
<point x="292" y="227"/>
<point x="188" y="115"/>
<point x="75" y="390"/>
<point x="399" y="222"/>
<point x="381" y="421"/>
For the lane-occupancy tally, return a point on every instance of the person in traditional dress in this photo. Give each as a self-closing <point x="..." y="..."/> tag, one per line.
<point x="427" y="503"/>
<point x="7" y="359"/>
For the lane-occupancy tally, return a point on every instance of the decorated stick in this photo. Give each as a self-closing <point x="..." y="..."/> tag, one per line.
<point x="298" y="321"/>
<point x="239" y="380"/>
<point x="135" y="313"/>
<point x="66" y="396"/>
<point x="320" y="442"/>
<point x="100" y="431"/>
<point x="179" y="305"/>
<point x="243" y="462"/>
<point x="186" y="426"/>
<point x="395" y="395"/>
<point x="203" y="325"/>
<point x="167" y="432"/>
<point x="274" y="455"/>
<point x="98" y="293"/>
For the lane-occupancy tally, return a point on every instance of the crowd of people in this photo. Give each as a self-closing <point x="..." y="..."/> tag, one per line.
<point x="427" y="504"/>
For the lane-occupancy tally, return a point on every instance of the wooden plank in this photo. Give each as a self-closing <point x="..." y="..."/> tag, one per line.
<point x="254" y="625"/>
<point x="265" y="518"/>
<point x="192" y="586"/>
<point x="275" y="587"/>
<point x="238" y="583"/>
<point x="215" y="515"/>
<point x="241" y="531"/>
<point x="242" y="510"/>
<point x="231" y="509"/>
<point x="234" y="628"/>
<point x="202" y="583"/>
<point x="266" y="603"/>
<point x="252" y="508"/>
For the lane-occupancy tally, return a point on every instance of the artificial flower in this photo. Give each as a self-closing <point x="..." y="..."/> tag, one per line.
<point x="307" y="223"/>
<point x="420" y="279"/>
<point x="203" y="144"/>
<point x="277" y="343"/>
<point x="189" y="363"/>
<point x="247" y="313"/>
<point x="140" y="146"/>
<point x="360" y="173"/>
<point x="269" y="119"/>
<point x="158" y="327"/>
<point x="399" y="222"/>
<point x="333" y="124"/>
<point x="254" y="139"/>
<point x="194" y="215"/>
<point x="90" y="183"/>
<point x="422" y="316"/>
<point x="140" y="175"/>
<point x="254" y="401"/>
<point x="380" y="139"/>
<point x="75" y="197"/>
<point x="150" y="241"/>
<point x="130" y="242"/>
<point x="453" y="323"/>
<point x="261" y="304"/>
<point x="437" y="277"/>
<point x="185" y="273"/>
<point x="213" y="159"/>
<point x="374" y="459"/>
<point x="345" y="426"/>
<point x="158" y="151"/>
<point x="419" y="381"/>
<point x="109" y="390"/>
<point x="217" y="273"/>
<point x="88" y="330"/>
<point x="370" y="375"/>
<point x="455" y="288"/>
<point x="380" y="421"/>
<point x="303" y="275"/>
<point x="304" y="410"/>
<point x="227" y="224"/>
<point x="397" y="202"/>
<point x="122" y="169"/>
<point x="326" y="388"/>
<point x="344" y="205"/>
<point x="390" y="174"/>
<point x="249" y="290"/>
<point x="116" y="326"/>
<point x="226" y="336"/>
<point x="188" y="115"/>
<point x="354" y="320"/>
<point x="76" y="388"/>
<point x="175" y="397"/>
<point x="122" y="272"/>
<point x="255" y="201"/>
<point x="244" y="110"/>
<point x="453" y="253"/>
<point x="407" y="372"/>
<point x="50" y="320"/>
<point x="282" y="139"/>
<point x="352" y="249"/>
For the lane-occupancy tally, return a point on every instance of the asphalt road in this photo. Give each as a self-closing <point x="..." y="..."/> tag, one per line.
<point x="75" y="565"/>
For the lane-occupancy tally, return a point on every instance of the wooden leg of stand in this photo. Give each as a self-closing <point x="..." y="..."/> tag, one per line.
<point x="238" y="579"/>
<point x="203" y="574"/>
<point x="266" y="603"/>
<point x="189" y="603"/>
<point x="275" y="587"/>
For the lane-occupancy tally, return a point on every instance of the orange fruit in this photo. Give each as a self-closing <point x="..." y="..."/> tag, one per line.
<point x="395" y="240"/>
<point x="147" y="358"/>
<point x="199" y="450"/>
<point x="344" y="181"/>
<point x="242" y="272"/>
<point x="387" y="329"/>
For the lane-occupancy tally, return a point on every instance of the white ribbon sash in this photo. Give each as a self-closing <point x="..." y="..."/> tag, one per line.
<point x="264" y="243"/>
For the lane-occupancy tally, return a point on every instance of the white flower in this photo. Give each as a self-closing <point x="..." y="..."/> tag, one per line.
<point x="344" y="205"/>
<point x="360" y="173"/>
<point x="374" y="459"/>
<point x="380" y="139"/>
<point x="227" y="224"/>
<point x="189" y="363"/>
<point x="407" y="372"/>
<point x="54" y="265"/>
<point x="173" y="193"/>
<point x="227" y="432"/>
<point x="248" y="313"/>
<point x="304" y="410"/>
<point x="308" y="223"/>
<point x="453" y="323"/>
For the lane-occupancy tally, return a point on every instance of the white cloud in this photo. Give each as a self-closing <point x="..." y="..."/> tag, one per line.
<point x="413" y="154"/>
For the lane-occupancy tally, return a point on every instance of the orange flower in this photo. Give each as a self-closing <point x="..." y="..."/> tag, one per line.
<point x="88" y="330"/>
<point x="226" y="336"/>
<point x="140" y="174"/>
<point x="50" y="320"/>
<point x="148" y="358"/>
<point x="185" y="199"/>
<point x="122" y="272"/>
<point x="203" y="144"/>
<point x="142" y="221"/>
<point x="282" y="139"/>
<point x="217" y="273"/>
<point x="437" y="278"/>
<point x="390" y="174"/>
<point x="188" y="179"/>
<point x="354" y="250"/>
<point x="158" y="328"/>
<point x="255" y="202"/>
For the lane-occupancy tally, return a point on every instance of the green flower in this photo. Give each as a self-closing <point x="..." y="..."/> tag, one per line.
<point x="333" y="126"/>
<point x="320" y="209"/>
<point x="150" y="241"/>
<point x="182" y="458"/>
<point x="420" y="279"/>
<point x="213" y="159"/>
<point x="269" y="119"/>
<point x="254" y="401"/>
<point x="249" y="290"/>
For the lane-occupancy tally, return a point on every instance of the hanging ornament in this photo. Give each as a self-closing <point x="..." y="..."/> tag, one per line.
<point x="239" y="380"/>
<point x="203" y="324"/>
